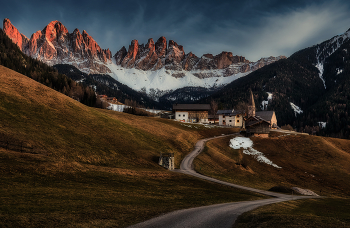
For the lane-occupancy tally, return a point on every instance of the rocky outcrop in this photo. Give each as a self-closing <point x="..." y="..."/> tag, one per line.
<point x="154" y="56"/>
<point x="13" y="33"/>
<point x="55" y="45"/>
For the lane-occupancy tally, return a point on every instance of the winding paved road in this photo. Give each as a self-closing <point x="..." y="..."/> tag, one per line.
<point x="218" y="215"/>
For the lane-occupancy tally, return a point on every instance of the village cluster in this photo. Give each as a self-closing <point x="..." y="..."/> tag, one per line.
<point x="252" y="122"/>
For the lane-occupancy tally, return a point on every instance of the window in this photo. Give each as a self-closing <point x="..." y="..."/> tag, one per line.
<point x="223" y="116"/>
<point x="184" y="115"/>
<point x="237" y="121"/>
<point x="230" y="121"/>
<point x="179" y="115"/>
<point x="237" y="116"/>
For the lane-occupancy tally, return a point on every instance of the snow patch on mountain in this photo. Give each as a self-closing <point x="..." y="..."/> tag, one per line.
<point x="319" y="66"/>
<point x="326" y="49"/>
<point x="156" y="83"/>
<point x="296" y="109"/>
<point x="339" y="71"/>
<point x="322" y="124"/>
<point x="265" y="103"/>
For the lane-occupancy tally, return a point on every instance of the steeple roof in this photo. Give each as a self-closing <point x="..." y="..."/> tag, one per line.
<point x="251" y="100"/>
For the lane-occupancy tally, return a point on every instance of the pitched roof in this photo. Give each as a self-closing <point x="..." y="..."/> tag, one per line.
<point x="251" y="100"/>
<point x="220" y="112"/>
<point x="254" y="120"/>
<point x="194" y="107"/>
<point x="230" y="112"/>
<point x="266" y="115"/>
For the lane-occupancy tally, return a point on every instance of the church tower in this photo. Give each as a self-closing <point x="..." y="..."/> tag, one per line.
<point x="251" y="105"/>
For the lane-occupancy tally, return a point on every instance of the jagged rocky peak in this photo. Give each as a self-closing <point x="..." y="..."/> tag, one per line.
<point x="13" y="33"/>
<point x="55" y="31"/>
<point x="55" y="45"/>
<point x="161" y="47"/>
<point x="189" y="61"/>
<point x="172" y="56"/>
<point x="175" y="53"/>
<point x="129" y="60"/>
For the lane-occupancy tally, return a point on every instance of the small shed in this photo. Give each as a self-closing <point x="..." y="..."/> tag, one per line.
<point x="167" y="160"/>
<point x="257" y="126"/>
<point x="269" y="116"/>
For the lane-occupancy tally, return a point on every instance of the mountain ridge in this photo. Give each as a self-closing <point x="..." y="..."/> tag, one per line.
<point x="160" y="67"/>
<point x="54" y="45"/>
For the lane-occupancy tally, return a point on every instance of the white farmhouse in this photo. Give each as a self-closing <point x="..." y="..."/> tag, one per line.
<point x="192" y="113"/>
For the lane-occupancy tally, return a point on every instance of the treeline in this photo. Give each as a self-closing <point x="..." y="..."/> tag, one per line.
<point x="12" y="57"/>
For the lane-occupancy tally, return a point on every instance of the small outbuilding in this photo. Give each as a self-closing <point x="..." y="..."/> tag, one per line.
<point x="269" y="116"/>
<point x="257" y="126"/>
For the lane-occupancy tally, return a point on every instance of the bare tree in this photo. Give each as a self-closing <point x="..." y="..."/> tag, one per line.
<point x="242" y="106"/>
<point x="214" y="108"/>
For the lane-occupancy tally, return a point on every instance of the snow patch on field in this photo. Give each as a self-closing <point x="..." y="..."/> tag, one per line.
<point x="247" y="145"/>
<point x="117" y="108"/>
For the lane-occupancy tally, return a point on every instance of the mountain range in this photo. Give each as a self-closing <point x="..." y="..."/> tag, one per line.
<point x="310" y="90"/>
<point x="157" y="68"/>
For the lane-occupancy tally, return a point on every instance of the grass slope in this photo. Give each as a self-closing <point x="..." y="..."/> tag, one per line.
<point x="302" y="213"/>
<point x="310" y="162"/>
<point x="91" y="167"/>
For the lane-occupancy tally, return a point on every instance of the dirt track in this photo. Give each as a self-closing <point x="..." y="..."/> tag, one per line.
<point x="218" y="215"/>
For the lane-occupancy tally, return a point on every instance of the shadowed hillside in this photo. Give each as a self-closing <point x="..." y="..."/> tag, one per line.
<point x="91" y="167"/>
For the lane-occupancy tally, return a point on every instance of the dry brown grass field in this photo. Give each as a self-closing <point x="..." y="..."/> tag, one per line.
<point x="310" y="162"/>
<point x="91" y="167"/>
<point x="98" y="168"/>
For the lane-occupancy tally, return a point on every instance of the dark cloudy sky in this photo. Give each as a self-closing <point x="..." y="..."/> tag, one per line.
<point x="251" y="28"/>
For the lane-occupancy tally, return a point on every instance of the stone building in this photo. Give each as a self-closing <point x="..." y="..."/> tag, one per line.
<point x="167" y="161"/>
<point x="259" y="123"/>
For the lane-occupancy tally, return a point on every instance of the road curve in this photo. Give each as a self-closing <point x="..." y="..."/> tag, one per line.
<point x="218" y="215"/>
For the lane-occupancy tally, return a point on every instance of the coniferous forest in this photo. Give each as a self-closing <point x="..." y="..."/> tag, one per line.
<point x="296" y="80"/>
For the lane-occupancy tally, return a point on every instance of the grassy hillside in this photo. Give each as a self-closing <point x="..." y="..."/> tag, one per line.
<point x="325" y="213"/>
<point x="91" y="167"/>
<point x="311" y="162"/>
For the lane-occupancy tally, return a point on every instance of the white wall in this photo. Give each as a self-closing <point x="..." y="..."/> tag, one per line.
<point x="181" y="116"/>
<point x="231" y="120"/>
<point x="239" y="121"/>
